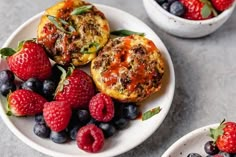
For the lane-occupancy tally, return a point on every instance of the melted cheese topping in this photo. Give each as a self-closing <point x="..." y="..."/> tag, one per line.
<point x="128" y="68"/>
<point x="64" y="48"/>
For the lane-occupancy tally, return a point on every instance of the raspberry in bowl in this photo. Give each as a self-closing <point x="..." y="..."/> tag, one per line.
<point x="189" y="18"/>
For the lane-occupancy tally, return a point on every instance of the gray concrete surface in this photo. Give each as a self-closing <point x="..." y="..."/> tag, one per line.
<point x="205" y="77"/>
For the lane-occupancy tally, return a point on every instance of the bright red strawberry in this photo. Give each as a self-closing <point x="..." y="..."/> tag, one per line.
<point x="198" y="9"/>
<point x="76" y="88"/>
<point x="225" y="137"/>
<point x="57" y="115"/>
<point x="29" y="60"/>
<point x="25" y="103"/>
<point x="222" y="5"/>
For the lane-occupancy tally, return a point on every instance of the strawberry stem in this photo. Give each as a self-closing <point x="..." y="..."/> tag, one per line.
<point x="7" y="52"/>
<point x="215" y="133"/>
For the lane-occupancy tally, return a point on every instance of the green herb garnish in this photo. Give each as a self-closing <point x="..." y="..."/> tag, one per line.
<point x="81" y="10"/>
<point x="125" y="32"/>
<point x="61" y="24"/>
<point x="90" y="48"/>
<point x="151" y="113"/>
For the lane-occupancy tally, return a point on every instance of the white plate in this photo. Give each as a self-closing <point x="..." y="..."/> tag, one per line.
<point x="193" y="142"/>
<point x="125" y="140"/>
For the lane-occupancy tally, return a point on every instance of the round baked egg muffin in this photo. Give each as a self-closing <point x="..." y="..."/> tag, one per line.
<point x="128" y="69"/>
<point x="72" y="32"/>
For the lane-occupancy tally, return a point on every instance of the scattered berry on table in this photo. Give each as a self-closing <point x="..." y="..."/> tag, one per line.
<point x="32" y="84"/>
<point x="41" y="130"/>
<point x="6" y="76"/>
<point x="90" y="138"/>
<point x="222" y="5"/>
<point x="108" y="129"/>
<point x="76" y="88"/>
<point x="83" y="116"/>
<point x="57" y="115"/>
<point x="31" y="55"/>
<point x="73" y="132"/>
<point x="177" y="8"/>
<point x="59" y="137"/>
<point x="25" y="103"/>
<point x="211" y="148"/>
<point x="120" y="123"/>
<point x="39" y="118"/>
<point x="7" y="87"/>
<point x="101" y="107"/>
<point x="130" y="111"/>
<point x="194" y="155"/>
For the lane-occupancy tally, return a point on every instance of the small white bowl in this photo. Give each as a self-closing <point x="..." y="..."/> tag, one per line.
<point x="182" y="27"/>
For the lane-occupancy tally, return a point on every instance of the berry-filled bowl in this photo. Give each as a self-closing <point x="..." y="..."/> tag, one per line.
<point x="189" y="18"/>
<point x="54" y="132"/>
<point x="216" y="140"/>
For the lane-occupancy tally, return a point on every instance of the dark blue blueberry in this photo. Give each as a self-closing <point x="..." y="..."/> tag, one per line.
<point x="74" y="121"/>
<point x="39" y="119"/>
<point x="41" y="130"/>
<point x="6" y="76"/>
<point x="130" y="111"/>
<point x="118" y="109"/>
<point x="83" y="116"/>
<point x="93" y="121"/>
<point x="108" y="129"/>
<point x="165" y="6"/>
<point x="233" y="155"/>
<point x="171" y="1"/>
<point x="224" y="154"/>
<point x="32" y="84"/>
<point x="120" y="123"/>
<point x="56" y="73"/>
<point x="211" y="148"/>
<point x="177" y="8"/>
<point x="73" y="132"/>
<point x="7" y="87"/>
<point x="49" y="88"/>
<point x="160" y="1"/>
<point x="194" y="155"/>
<point x="58" y="137"/>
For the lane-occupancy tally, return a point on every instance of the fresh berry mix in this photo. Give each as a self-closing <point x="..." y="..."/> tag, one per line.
<point x="224" y="141"/>
<point x="90" y="138"/>
<point x="101" y="107"/>
<point x="195" y="9"/>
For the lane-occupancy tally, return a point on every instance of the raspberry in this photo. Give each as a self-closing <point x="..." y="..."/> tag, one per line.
<point x="57" y="115"/>
<point x="90" y="138"/>
<point x="101" y="107"/>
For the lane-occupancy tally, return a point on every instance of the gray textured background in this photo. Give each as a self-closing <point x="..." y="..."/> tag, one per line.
<point x="205" y="77"/>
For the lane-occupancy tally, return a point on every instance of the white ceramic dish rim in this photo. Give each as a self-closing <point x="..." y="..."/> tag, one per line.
<point x="39" y="148"/>
<point x="186" y="137"/>
<point x="208" y="21"/>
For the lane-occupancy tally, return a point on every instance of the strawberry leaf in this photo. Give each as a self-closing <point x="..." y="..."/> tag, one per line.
<point x="206" y="11"/>
<point x="151" y="113"/>
<point x="7" y="51"/>
<point x="81" y="10"/>
<point x="215" y="133"/>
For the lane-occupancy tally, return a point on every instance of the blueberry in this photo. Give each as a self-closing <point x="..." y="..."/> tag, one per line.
<point x="165" y="6"/>
<point x="108" y="129"/>
<point x="160" y="1"/>
<point x="73" y="132"/>
<point x="58" y="137"/>
<point x="6" y="76"/>
<point x="224" y="154"/>
<point x="39" y="119"/>
<point x="130" y="111"/>
<point x="120" y="123"/>
<point x="194" y="155"/>
<point x="118" y="109"/>
<point x="177" y="8"/>
<point x="93" y="121"/>
<point x="41" y="130"/>
<point x="56" y="73"/>
<point x="171" y="1"/>
<point x="83" y="116"/>
<point x="7" y="87"/>
<point x="32" y="84"/>
<point x="210" y="148"/>
<point x="49" y="88"/>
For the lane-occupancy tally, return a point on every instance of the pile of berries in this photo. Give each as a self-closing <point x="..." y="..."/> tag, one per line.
<point x="195" y="9"/>
<point x="63" y="100"/>
<point x="224" y="141"/>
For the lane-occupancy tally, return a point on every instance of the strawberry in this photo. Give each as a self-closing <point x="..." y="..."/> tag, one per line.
<point x="57" y="115"/>
<point x="222" y="5"/>
<point x="25" y="103"/>
<point x="225" y="137"/>
<point x="76" y="88"/>
<point x="29" y="60"/>
<point x="198" y="9"/>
